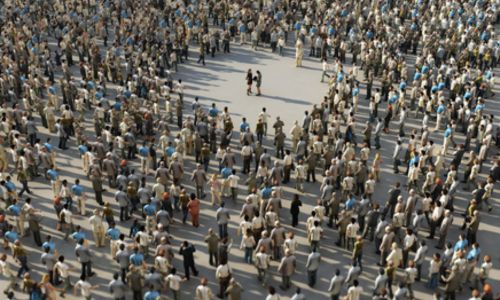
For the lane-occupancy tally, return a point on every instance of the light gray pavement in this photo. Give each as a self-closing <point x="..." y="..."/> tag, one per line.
<point x="287" y="92"/>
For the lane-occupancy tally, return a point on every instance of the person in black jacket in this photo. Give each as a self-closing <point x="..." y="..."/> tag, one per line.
<point x="295" y="210"/>
<point x="187" y="251"/>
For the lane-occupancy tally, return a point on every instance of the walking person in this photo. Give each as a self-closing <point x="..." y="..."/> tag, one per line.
<point x="201" y="51"/>
<point x="249" y="80"/>
<point x="258" y="82"/>
<point x="84" y="256"/>
<point x="187" y="251"/>
<point x="295" y="210"/>
<point x="287" y="268"/>
<point x="312" y="265"/>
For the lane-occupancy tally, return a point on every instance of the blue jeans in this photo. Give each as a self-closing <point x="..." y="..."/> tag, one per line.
<point x="248" y="255"/>
<point x="433" y="281"/>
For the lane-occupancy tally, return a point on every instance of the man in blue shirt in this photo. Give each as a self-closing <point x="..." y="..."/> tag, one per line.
<point x="149" y="209"/>
<point x="144" y="154"/>
<point x="244" y="125"/>
<point x="151" y="294"/>
<point x="16" y="211"/>
<point x="11" y="235"/>
<point x="78" y="234"/>
<point x="77" y="191"/>
<point x="49" y="243"/>
<point x="137" y="258"/>
<point x="10" y="187"/>
<point x="55" y="183"/>
<point x="113" y="234"/>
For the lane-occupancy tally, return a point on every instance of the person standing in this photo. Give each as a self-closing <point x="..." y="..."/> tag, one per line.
<point x="355" y="291"/>
<point x="258" y="82"/>
<point x="234" y="290"/>
<point x="312" y="265"/>
<point x="84" y="256"/>
<point x="34" y="219"/>
<point x="223" y="275"/>
<point x="212" y="241"/>
<point x="117" y="287"/>
<point x="85" y="287"/>
<point x="173" y="283"/>
<point x="7" y="272"/>
<point x="19" y="253"/>
<point x="62" y="270"/>
<point x="194" y="210"/>
<point x="287" y="268"/>
<point x="187" y="251"/>
<point x="97" y="227"/>
<point x="295" y="210"/>
<point x="262" y="261"/>
<point x="202" y="54"/>
<point x="200" y="179"/>
<point x="336" y="285"/>
<point x="223" y="217"/>
<point x="249" y="80"/>
<point x="203" y="291"/>
<point x="453" y="282"/>
<point x="135" y="281"/>
<point x="49" y="260"/>
<point x="299" y="53"/>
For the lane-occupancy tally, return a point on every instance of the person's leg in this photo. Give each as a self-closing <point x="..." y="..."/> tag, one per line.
<point x="186" y="271"/>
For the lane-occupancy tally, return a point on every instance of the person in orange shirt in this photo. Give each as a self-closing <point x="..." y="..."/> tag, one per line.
<point x="194" y="209"/>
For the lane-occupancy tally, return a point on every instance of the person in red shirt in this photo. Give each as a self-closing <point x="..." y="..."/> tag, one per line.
<point x="194" y="209"/>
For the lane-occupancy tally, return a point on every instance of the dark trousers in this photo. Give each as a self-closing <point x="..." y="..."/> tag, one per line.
<point x="311" y="277"/>
<point x="23" y="260"/>
<point x="450" y="295"/>
<point x="223" y="284"/>
<point x="311" y="173"/>
<point x="213" y="258"/>
<point x="25" y="188"/>
<point x="285" y="282"/>
<point x="187" y="267"/>
<point x="201" y="59"/>
<point x="62" y="142"/>
<point x="37" y="237"/>
<point x="98" y="197"/>
<point x="222" y="230"/>
<point x="137" y="295"/>
<point x="123" y="213"/>
<point x="86" y="268"/>
<point x="295" y="220"/>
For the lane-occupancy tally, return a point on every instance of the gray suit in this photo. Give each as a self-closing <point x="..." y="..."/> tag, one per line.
<point x="84" y="257"/>
<point x="286" y="269"/>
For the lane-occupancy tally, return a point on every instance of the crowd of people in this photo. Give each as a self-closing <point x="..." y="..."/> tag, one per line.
<point x="102" y="79"/>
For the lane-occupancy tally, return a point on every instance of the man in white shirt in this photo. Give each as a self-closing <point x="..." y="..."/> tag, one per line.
<point x="85" y="287"/>
<point x="203" y="292"/>
<point x="354" y="292"/>
<point x="173" y="282"/>
<point x="233" y="184"/>
<point x="315" y="234"/>
<point x="62" y="270"/>
<point x="7" y="272"/>
<point x="223" y="274"/>
<point x="67" y="216"/>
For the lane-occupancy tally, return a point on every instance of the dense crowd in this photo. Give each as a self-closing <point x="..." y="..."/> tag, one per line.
<point x="103" y="78"/>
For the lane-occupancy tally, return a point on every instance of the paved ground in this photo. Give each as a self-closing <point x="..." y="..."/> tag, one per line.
<point x="287" y="92"/>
